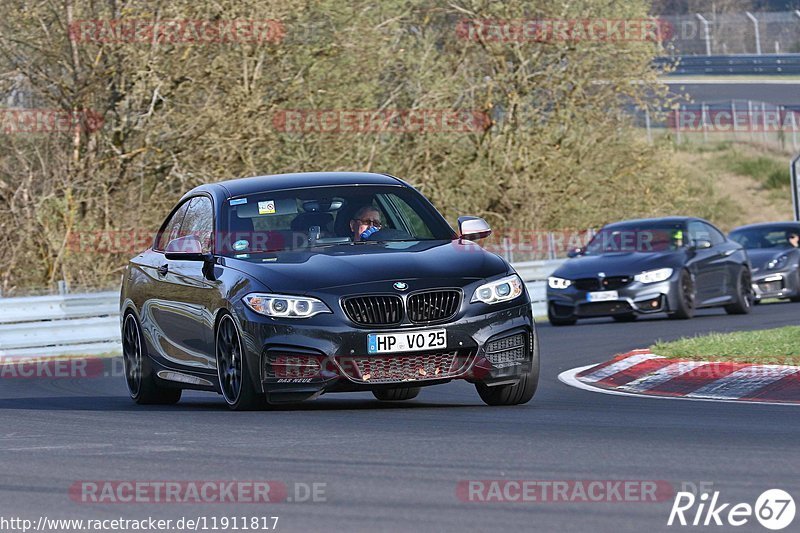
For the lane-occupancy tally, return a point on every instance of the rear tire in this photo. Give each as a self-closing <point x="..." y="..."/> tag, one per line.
<point x="139" y="375"/>
<point x="797" y="287"/>
<point x="556" y="321"/>
<point x="396" y="395"/>
<point x="233" y="372"/>
<point x="744" y="294"/>
<point x="685" y="298"/>
<point x="518" y="393"/>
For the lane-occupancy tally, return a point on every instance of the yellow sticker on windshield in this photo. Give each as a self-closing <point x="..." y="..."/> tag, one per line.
<point x="266" y="208"/>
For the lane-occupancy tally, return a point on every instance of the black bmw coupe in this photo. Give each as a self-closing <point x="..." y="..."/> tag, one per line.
<point x="661" y="265"/>
<point x="280" y="288"/>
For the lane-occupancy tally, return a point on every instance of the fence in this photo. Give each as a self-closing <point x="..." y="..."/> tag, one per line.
<point x="734" y="33"/>
<point x="88" y="324"/>
<point x="776" y="126"/>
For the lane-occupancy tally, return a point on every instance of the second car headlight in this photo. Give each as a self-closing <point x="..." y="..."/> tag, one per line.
<point x="558" y="283"/>
<point x="654" y="276"/>
<point x="502" y="290"/>
<point x="284" y="306"/>
<point x="778" y="262"/>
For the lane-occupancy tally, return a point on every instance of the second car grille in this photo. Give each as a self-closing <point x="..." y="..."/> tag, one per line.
<point x="374" y="310"/>
<point x="433" y="306"/>
<point x="400" y="368"/>
<point x="602" y="284"/>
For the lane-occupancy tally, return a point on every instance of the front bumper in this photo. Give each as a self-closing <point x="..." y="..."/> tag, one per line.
<point x="296" y="360"/>
<point x="775" y="284"/>
<point x="635" y="297"/>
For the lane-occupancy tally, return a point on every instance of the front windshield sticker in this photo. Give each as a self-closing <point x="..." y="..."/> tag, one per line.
<point x="266" y="208"/>
<point x="241" y="245"/>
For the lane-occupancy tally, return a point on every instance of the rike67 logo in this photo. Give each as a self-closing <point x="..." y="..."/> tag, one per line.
<point x="774" y="509"/>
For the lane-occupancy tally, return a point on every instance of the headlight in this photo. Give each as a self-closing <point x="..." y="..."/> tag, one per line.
<point x="279" y="305"/>
<point x="653" y="276"/>
<point x="778" y="262"/>
<point x="502" y="290"/>
<point x="558" y="283"/>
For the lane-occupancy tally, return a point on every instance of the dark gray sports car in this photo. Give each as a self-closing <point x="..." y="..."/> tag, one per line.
<point x="774" y="257"/>
<point x="672" y="265"/>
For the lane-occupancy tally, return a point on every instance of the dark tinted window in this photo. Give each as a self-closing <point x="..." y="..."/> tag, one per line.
<point x="637" y="237"/>
<point x="765" y="236"/>
<point x="171" y="227"/>
<point x="715" y="236"/>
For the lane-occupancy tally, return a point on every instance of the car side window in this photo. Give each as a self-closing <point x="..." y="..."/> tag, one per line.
<point x="199" y="221"/>
<point x="714" y="234"/>
<point x="698" y="231"/>
<point x="170" y="228"/>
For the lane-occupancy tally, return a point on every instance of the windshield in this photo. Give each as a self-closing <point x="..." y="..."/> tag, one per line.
<point x="767" y="237"/>
<point x="327" y="216"/>
<point x="650" y="238"/>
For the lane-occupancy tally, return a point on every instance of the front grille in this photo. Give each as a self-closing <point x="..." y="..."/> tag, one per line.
<point x="400" y="368"/>
<point x="290" y="366"/>
<point x="507" y="349"/>
<point x="384" y="310"/>
<point x="603" y="308"/>
<point x="602" y="284"/>
<point x="433" y="306"/>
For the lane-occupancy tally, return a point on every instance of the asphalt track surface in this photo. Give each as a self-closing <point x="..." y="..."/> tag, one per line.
<point x="396" y="467"/>
<point x="725" y="91"/>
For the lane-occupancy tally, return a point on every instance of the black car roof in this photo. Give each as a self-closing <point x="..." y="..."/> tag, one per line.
<point x="790" y="223"/>
<point x="256" y="184"/>
<point x="645" y="221"/>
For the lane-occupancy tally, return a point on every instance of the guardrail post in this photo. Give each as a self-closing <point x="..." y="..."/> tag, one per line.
<point x="706" y="33"/>
<point x="758" y="33"/>
<point x="678" y="125"/>
<point x="703" y="121"/>
<point x="750" y="118"/>
<point x="62" y="287"/>
<point x="764" y="121"/>
<point x="733" y="118"/>
<point x="647" y="125"/>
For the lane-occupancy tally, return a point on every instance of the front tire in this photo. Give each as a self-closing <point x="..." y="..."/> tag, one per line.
<point x="685" y="298"/>
<point x="744" y="294"/>
<point x="235" y="382"/>
<point x="139" y="376"/>
<point x="396" y="395"/>
<point x="518" y="393"/>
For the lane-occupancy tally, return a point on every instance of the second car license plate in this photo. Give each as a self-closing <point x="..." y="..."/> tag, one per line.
<point x="602" y="296"/>
<point x="433" y="339"/>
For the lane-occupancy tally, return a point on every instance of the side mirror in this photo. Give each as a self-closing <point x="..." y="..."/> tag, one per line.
<point x="187" y="248"/>
<point x="473" y="228"/>
<point x="575" y="252"/>
<point x="701" y="244"/>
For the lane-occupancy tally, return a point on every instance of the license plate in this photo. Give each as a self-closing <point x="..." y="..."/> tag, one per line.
<point x="602" y="296"/>
<point x="410" y="341"/>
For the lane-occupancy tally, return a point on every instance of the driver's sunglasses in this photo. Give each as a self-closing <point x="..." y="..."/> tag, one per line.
<point x="368" y="222"/>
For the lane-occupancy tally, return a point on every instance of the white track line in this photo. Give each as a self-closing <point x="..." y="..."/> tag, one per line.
<point x="568" y="378"/>
<point x="619" y="366"/>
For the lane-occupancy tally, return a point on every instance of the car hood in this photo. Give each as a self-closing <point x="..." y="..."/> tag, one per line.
<point x="618" y="264"/>
<point x="759" y="257"/>
<point x="299" y="272"/>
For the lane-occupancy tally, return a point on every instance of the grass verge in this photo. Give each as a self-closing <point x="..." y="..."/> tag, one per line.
<point x="769" y="346"/>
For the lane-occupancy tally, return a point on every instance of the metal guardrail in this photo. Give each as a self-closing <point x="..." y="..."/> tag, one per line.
<point x="774" y="64"/>
<point x="88" y="324"/>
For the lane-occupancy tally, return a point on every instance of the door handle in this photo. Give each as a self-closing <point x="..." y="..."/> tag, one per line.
<point x="163" y="269"/>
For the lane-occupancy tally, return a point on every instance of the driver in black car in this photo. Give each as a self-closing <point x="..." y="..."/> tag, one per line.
<point x="365" y="222"/>
<point x="793" y="238"/>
